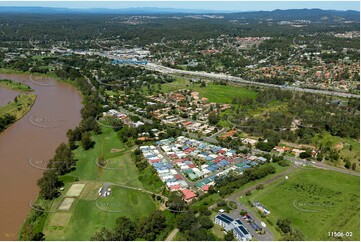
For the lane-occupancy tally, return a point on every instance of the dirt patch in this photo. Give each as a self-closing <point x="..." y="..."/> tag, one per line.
<point x="66" y="204"/>
<point x="338" y="146"/>
<point x="162" y="207"/>
<point x="75" y="190"/>
<point x="297" y="146"/>
<point x="116" y="150"/>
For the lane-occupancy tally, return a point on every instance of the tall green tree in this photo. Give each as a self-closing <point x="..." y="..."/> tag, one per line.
<point x="49" y="185"/>
<point x="86" y="141"/>
<point x="63" y="160"/>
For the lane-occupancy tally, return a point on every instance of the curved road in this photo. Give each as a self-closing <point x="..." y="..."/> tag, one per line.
<point x="234" y="196"/>
<point x="124" y="186"/>
<point x="137" y="189"/>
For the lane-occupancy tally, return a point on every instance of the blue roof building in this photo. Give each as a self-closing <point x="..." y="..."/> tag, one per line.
<point x="228" y="223"/>
<point x="126" y="61"/>
<point x="241" y="233"/>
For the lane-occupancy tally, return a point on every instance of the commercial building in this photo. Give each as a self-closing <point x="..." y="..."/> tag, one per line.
<point x="228" y="223"/>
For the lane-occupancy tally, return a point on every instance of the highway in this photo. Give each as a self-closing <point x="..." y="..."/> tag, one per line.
<point x="217" y="76"/>
<point x="224" y="77"/>
<point x="167" y="70"/>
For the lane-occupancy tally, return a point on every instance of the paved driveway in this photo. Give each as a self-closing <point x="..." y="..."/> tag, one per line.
<point x="267" y="236"/>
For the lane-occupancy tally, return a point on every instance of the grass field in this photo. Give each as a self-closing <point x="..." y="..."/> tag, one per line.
<point x="90" y="213"/>
<point x="215" y="93"/>
<point x="14" y="85"/>
<point x="114" y="93"/>
<point x="316" y="201"/>
<point x="19" y="108"/>
<point x="150" y="180"/>
<point x="213" y="198"/>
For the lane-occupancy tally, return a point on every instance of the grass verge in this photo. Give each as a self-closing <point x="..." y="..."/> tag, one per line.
<point x="316" y="202"/>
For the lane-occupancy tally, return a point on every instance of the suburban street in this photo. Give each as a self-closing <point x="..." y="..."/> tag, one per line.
<point x="190" y="184"/>
<point x="316" y="164"/>
<point x="93" y="87"/>
<point x="211" y="139"/>
<point x="134" y="114"/>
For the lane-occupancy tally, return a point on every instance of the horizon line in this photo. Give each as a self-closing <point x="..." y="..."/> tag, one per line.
<point x="169" y="8"/>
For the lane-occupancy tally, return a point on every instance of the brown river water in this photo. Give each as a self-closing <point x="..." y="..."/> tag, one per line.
<point x="7" y="95"/>
<point x="28" y="144"/>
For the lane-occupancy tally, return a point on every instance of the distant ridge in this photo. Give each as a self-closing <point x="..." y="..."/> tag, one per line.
<point x="139" y="10"/>
<point x="293" y="14"/>
<point x="154" y="10"/>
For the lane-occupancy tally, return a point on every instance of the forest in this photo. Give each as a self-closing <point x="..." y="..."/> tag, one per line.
<point x="83" y="29"/>
<point x="316" y="113"/>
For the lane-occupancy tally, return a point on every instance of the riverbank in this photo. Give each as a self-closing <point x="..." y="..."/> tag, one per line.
<point x="14" y="85"/>
<point x="20" y="106"/>
<point x="24" y="101"/>
<point x="15" y="110"/>
<point x="34" y="218"/>
<point x="58" y="109"/>
<point x="52" y="76"/>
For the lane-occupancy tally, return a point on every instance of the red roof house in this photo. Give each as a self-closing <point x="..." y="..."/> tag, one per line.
<point x="188" y="195"/>
<point x="205" y="188"/>
<point x="175" y="188"/>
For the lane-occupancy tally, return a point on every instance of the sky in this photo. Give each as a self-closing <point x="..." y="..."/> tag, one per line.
<point x="208" y="5"/>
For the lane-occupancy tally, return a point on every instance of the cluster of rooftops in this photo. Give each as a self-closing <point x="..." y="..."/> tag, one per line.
<point x="164" y="168"/>
<point x="180" y="160"/>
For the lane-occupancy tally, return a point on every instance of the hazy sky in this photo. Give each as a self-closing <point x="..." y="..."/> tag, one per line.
<point x="209" y="5"/>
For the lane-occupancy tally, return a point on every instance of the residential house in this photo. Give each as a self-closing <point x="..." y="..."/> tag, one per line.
<point x="188" y="195"/>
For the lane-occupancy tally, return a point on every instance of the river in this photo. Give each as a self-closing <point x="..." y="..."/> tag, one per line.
<point x="7" y="95"/>
<point x="27" y="145"/>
